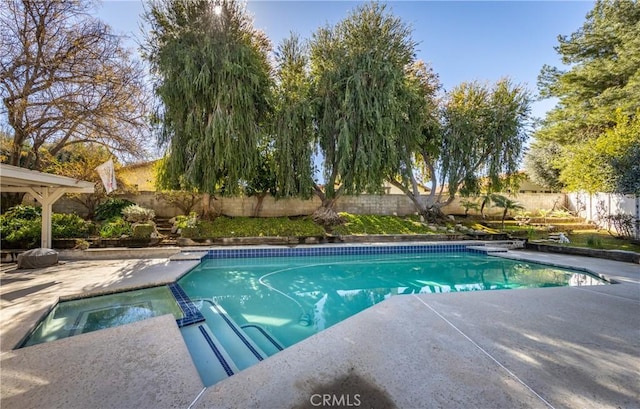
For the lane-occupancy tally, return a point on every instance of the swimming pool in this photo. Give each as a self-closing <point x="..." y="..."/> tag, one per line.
<point x="240" y="306"/>
<point x="293" y="297"/>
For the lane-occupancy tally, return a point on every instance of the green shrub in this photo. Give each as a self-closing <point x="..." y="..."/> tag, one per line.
<point x="21" y="232"/>
<point x="115" y="228"/>
<point x="19" y="226"/>
<point x="110" y="208"/>
<point x="69" y="226"/>
<point x="82" y="244"/>
<point x="562" y="213"/>
<point x="137" y="214"/>
<point x="143" y="230"/>
<point x="183" y="221"/>
<point x="23" y="212"/>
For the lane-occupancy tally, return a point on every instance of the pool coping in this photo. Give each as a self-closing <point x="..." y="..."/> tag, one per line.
<point x="220" y="393"/>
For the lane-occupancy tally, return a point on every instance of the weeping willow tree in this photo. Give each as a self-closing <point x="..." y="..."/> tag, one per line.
<point x="479" y="140"/>
<point x="292" y="120"/>
<point x="420" y="140"/>
<point x="485" y="129"/>
<point x="213" y="83"/>
<point x="357" y="71"/>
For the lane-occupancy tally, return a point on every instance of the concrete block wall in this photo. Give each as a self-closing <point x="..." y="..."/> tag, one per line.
<point x="363" y="204"/>
<point x="532" y="202"/>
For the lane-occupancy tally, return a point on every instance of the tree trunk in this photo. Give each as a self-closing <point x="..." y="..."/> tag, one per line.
<point x="434" y="214"/>
<point x="431" y="213"/>
<point x="484" y="203"/>
<point x="326" y="215"/>
<point x="9" y="200"/>
<point x="504" y="216"/>
<point x="259" y="203"/>
<point x="209" y="212"/>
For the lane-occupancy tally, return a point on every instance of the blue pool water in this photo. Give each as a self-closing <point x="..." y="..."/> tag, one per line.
<point x="240" y="306"/>
<point x="292" y="298"/>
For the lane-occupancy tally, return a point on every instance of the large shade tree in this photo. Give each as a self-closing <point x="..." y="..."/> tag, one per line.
<point x="608" y="163"/>
<point x="358" y="88"/>
<point x="479" y="139"/>
<point x="598" y="91"/>
<point x="65" y="79"/>
<point x="543" y="163"/>
<point x="213" y="84"/>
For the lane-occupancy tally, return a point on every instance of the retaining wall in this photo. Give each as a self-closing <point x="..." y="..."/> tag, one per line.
<point x="363" y="204"/>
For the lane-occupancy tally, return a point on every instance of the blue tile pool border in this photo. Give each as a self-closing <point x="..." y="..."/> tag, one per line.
<point x="335" y="251"/>
<point x="192" y="314"/>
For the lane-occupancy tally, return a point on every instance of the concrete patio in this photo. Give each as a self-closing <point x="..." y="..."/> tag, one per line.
<point x="575" y="347"/>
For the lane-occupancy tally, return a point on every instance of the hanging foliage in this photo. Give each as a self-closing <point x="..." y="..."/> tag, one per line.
<point x="292" y="120"/>
<point x="477" y="141"/>
<point x="359" y="98"/>
<point x="213" y="84"/>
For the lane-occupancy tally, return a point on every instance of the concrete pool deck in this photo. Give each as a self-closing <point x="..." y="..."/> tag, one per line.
<point x="575" y="347"/>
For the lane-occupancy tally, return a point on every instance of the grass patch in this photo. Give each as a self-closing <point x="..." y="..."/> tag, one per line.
<point x="592" y="239"/>
<point x="599" y="240"/>
<point x="253" y="227"/>
<point x="373" y="224"/>
<point x="478" y="226"/>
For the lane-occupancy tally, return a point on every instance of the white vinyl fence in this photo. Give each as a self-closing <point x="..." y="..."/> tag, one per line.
<point x="597" y="207"/>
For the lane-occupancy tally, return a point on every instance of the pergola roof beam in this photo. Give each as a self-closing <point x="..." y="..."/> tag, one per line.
<point x="44" y="187"/>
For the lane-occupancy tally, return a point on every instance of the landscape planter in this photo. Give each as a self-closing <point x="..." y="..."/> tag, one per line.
<point x="618" y="255"/>
<point x="137" y="242"/>
<point x="123" y="242"/>
<point x="63" y="244"/>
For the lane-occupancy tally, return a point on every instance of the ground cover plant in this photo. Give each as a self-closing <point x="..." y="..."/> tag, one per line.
<point x="375" y="224"/>
<point x="115" y="228"/>
<point x="252" y="227"/>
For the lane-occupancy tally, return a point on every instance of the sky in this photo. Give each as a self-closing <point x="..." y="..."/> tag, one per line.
<point x="462" y="40"/>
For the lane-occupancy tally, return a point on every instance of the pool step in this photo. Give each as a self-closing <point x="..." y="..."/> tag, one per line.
<point x="267" y="342"/>
<point x="220" y="348"/>
<point x="241" y="348"/>
<point x="211" y="359"/>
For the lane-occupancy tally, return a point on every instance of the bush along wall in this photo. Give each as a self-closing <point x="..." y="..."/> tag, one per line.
<point x="21" y="227"/>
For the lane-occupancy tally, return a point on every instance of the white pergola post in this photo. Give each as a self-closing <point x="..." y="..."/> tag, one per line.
<point x="44" y="187"/>
<point x="46" y="196"/>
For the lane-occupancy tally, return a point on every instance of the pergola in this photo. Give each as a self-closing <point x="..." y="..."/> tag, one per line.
<point x="44" y="187"/>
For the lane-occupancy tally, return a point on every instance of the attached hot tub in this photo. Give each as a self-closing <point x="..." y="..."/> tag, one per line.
<point x="74" y="317"/>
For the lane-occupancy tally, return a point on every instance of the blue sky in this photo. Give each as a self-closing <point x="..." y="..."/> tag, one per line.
<point x="463" y="41"/>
